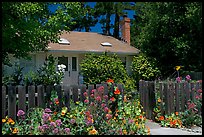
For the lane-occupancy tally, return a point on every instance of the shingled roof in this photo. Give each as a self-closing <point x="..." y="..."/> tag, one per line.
<point x="90" y="42"/>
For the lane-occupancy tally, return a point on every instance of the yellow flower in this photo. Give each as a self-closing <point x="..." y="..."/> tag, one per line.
<point x="63" y="113"/>
<point x="3" y="120"/>
<point x="77" y="102"/>
<point x="12" y="123"/>
<point x="124" y="121"/>
<point x="15" y="130"/>
<point x="93" y="132"/>
<point x="178" y="67"/>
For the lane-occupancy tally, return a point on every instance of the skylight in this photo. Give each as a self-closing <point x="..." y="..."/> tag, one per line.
<point x="64" y="41"/>
<point x="106" y="44"/>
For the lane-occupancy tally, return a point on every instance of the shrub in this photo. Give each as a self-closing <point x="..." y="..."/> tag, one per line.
<point x="144" y="68"/>
<point x="97" y="68"/>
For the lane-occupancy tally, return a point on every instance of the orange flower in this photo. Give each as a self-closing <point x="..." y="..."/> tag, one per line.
<point x="11" y="121"/>
<point x="141" y="116"/>
<point x="174" y="122"/>
<point x="110" y="81"/>
<point x="117" y="91"/>
<point x="124" y="132"/>
<point x="93" y="132"/>
<point x="159" y="100"/>
<point x="55" y="113"/>
<point x="161" y="118"/>
<point x="179" y="122"/>
<point x="57" y="102"/>
<point x="15" y="130"/>
<point x="3" y="120"/>
<point x="176" y="113"/>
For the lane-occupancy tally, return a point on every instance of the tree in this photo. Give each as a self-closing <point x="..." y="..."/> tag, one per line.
<point x="29" y="26"/>
<point x="171" y="32"/>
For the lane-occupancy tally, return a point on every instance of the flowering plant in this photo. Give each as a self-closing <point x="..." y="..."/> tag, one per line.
<point x="173" y="120"/>
<point x="193" y="114"/>
<point x="8" y="126"/>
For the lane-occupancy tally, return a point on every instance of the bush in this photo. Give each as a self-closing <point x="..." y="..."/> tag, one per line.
<point x="144" y="68"/>
<point x="97" y="68"/>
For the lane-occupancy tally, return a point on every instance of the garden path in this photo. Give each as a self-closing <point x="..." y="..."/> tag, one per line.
<point x="156" y="129"/>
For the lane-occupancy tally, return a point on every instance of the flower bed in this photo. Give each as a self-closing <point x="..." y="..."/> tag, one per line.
<point x="100" y="115"/>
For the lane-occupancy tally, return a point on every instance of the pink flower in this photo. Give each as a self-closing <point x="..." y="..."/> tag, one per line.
<point x="188" y="77"/>
<point x="92" y="95"/>
<point x="199" y="90"/>
<point x="67" y="130"/>
<point x="86" y="101"/>
<point x="106" y="109"/>
<point x="92" y="91"/>
<point x="103" y="105"/>
<point x="178" y="79"/>
<point x="47" y="110"/>
<point x="101" y="88"/>
<point x="108" y="116"/>
<point x="85" y="94"/>
<point x="191" y="105"/>
<point x="98" y="98"/>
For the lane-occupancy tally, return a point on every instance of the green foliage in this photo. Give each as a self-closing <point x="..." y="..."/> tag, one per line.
<point x="170" y="47"/>
<point x="98" y="68"/>
<point x="144" y="68"/>
<point x="30" y="26"/>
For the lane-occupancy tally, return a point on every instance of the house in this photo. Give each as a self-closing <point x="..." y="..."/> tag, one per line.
<point x="73" y="46"/>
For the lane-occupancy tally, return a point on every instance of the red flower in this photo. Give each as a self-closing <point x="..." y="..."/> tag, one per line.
<point x="117" y="91"/>
<point x="161" y="118"/>
<point x="112" y="99"/>
<point x="110" y="81"/>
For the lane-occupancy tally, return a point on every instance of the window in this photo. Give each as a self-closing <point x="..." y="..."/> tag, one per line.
<point x="64" y="61"/>
<point x="106" y="44"/>
<point x="64" y="41"/>
<point x="74" y="64"/>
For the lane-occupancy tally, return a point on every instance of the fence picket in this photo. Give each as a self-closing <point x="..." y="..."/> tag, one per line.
<point x="31" y="96"/>
<point x="21" y="98"/>
<point x="177" y="92"/>
<point x="40" y="97"/>
<point x="12" y="102"/>
<point x="3" y="109"/>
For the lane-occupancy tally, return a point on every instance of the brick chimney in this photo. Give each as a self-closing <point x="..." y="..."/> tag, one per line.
<point x="125" y="29"/>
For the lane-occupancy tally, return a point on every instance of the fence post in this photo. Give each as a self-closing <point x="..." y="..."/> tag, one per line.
<point x="146" y="97"/>
<point x="165" y="91"/>
<point x="31" y="96"/>
<point x="82" y="90"/>
<point x="75" y="93"/>
<point x="3" y="99"/>
<point x="41" y="96"/>
<point x="177" y="92"/>
<point x="22" y="98"/>
<point x="161" y="90"/>
<point x="171" y="98"/>
<point x="90" y="88"/>
<point x="12" y="102"/>
<point x="186" y="90"/>
<point x="105" y="91"/>
<point x="48" y="89"/>
<point x="67" y="96"/>
<point x="58" y="88"/>
<point x="182" y="97"/>
<point x="152" y="102"/>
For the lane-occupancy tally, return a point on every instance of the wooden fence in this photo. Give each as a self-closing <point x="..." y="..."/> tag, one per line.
<point x="173" y="95"/>
<point x="25" y="97"/>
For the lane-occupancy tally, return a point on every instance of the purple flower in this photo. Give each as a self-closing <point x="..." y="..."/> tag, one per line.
<point x="72" y="121"/>
<point x="45" y="126"/>
<point x="20" y="113"/>
<point x="47" y="110"/>
<point x="188" y="77"/>
<point x="58" y="122"/>
<point x="45" y="117"/>
<point x="55" y="131"/>
<point x="52" y="124"/>
<point x="105" y="96"/>
<point x="67" y="130"/>
<point x="40" y="128"/>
